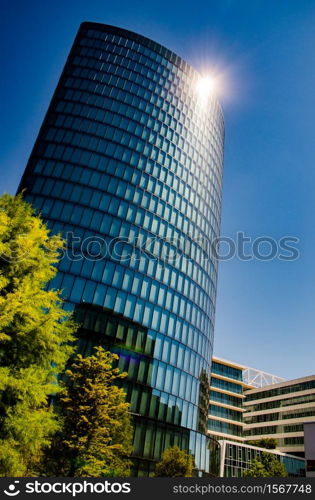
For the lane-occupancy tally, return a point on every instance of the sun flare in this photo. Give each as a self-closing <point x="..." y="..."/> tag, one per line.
<point x="205" y="87"/>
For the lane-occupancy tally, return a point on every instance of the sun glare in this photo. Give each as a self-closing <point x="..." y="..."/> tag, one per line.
<point x="205" y="87"/>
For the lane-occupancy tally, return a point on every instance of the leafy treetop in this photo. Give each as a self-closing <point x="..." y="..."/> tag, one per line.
<point x="174" y="463"/>
<point x="267" y="465"/>
<point x="35" y="336"/>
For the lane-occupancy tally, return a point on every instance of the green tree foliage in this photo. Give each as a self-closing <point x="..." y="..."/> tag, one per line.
<point x="268" y="443"/>
<point x="34" y="336"/>
<point x="267" y="465"/>
<point x="96" y="438"/>
<point x="174" y="463"/>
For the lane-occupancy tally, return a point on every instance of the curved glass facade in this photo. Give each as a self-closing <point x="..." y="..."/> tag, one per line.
<point x="128" y="167"/>
<point x="237" y="457"/>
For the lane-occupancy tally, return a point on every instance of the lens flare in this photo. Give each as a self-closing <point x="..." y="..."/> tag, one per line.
<point x="205" y="87"/>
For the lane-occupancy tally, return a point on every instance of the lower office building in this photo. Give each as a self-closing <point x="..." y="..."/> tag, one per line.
<point x="250" y="405"/>
<point x="280" y="411"/>
<point x="226" y="400"/>
<point x="228" y="383"/>
<point x="235" y="458"/>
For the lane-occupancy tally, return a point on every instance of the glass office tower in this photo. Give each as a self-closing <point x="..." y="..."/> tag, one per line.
<point x="128" y="167"/>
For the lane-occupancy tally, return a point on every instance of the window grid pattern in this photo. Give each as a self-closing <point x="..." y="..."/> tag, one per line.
<point x="280" y="403"/>
<point x="227" y="399"/>
<point x="268" y="417"/>
<point x="224" y="427"/>
<point x="283" y="416"/>
<point x="220" y="411"/>
<point x="238" y="458"/>
<point x="226" y="371"/>
<point x="282" y="391"/>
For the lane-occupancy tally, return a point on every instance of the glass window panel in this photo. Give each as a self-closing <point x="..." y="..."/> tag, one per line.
<point x="173" y="353"/>
<point x="88" y="293"/>
<point x="136" y="285"/>
<point x="168" y="378"/>
<point x="166" y="350"/>
<point x="118" y="277"/>
<point x="145" y="288"/>
<point x="163" y="406"/>
<point x="77" y="290"/>
<point x="108" y="272"/>
<point x="98" y="270"/>
<point x="164" y="322"/>
<point x="127" y="281"/>
<point x="130" y="306"/>
<point x="182" y="384"/>
<point x="120" y="302"/>
<point x="144" y="402"/>
<point x="156" y="318"/>
<point x="154" y="403"/>
<point x="134" y="396"/>
<point x="87" y="268"/>
<point x="142" y="371"/>
<point x="138" y="312"/>
<point x="158" y="443"/>
<point x="147" y="315"/>
<point x="161" y="295"/>
<point x="176" y="380"/>
<point x="110" y="298"/>
<point x="153" y="293"/>
<point x="160" y="376"/>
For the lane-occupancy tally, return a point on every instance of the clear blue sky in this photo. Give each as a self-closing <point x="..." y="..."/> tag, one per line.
<point x="265" y="310"/>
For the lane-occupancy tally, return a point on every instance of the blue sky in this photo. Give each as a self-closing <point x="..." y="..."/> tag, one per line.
<point x="265" y="52"/>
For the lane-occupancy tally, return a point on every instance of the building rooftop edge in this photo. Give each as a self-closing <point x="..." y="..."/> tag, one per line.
<point x="281" y="384"/>
<point x="227" y="362"/>
<point x="244" y="367"/>
<point x="158" y="47"/>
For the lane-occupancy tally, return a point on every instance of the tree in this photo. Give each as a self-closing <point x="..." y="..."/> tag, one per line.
<point x="96" y="437"/>
<point x="174" y="463"/>
<point x="267" y="465"/>
<point x="35" y="333"/>
<point x="268" y="443"/>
